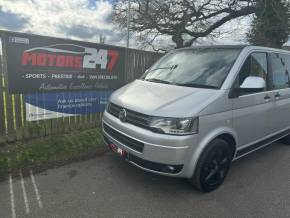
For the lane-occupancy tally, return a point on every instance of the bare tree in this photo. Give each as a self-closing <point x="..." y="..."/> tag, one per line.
<point x="184" y="21"/>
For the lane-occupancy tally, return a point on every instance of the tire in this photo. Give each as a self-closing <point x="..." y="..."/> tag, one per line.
<point x="213" y="166"/>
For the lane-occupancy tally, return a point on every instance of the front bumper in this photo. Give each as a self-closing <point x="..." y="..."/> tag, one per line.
<point x="159" y="153"/>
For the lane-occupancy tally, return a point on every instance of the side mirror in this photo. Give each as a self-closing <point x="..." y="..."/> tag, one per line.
<point x="251" y="84"/>
<point x="254" y="83"/>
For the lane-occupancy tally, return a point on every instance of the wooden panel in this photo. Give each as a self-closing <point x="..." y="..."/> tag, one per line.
<point x="18" y="117"/>
<point x="66" y="124"/>
<point x="2" y="116"/>
<point x="13" y="124"/>
<point x="8" y="101"/>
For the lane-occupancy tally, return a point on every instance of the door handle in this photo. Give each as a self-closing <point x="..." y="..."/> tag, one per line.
<point x="267" y="98"/>
<point x="277" y="95"/>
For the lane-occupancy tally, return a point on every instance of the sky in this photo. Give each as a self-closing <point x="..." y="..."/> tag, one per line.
<point x="77" y="19"/>
<point x="85" y="20"/>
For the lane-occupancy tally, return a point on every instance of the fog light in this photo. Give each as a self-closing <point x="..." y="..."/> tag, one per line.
<point x="168" y="169"/>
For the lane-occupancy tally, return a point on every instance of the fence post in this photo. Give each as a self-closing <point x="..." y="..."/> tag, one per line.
<point x="2" y="118"/>
<point x="8" y="100"/>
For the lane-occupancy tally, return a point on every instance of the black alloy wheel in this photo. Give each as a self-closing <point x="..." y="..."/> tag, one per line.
<point x="213" y="166"/>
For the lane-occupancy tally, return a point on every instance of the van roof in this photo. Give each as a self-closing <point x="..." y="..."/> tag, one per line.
<point x="213" y="46"/>
<point x="241" y="46"/>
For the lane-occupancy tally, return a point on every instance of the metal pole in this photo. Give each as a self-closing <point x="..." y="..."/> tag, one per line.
<point x="128" y="23"/>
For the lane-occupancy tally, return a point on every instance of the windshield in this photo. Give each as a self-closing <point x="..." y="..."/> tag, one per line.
<point x="202" y="68"/>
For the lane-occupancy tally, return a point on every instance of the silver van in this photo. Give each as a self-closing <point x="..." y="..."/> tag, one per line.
<point x="198" y="109"/>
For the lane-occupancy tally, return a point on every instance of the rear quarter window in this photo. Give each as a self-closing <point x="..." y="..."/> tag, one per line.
<point x="280" y="70"/>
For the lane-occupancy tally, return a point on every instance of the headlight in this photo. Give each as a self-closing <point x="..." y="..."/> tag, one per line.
<point x="174" y="126"/>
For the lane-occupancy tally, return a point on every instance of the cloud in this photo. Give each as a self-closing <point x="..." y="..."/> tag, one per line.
<point x="9" y="20"/>
<point x="88" y="33"/>
<point x="76" y="19"/>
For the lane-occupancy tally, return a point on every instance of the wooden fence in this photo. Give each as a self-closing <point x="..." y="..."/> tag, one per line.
<point x="13" y="124"/>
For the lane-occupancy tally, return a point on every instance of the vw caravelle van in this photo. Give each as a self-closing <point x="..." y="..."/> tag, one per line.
<point x="198" y="109"/>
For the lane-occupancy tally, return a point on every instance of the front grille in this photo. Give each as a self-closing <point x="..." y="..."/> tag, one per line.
<point x="133" y="117"/>
<point x="125" y="140"/>
<point x="114" y="109"/>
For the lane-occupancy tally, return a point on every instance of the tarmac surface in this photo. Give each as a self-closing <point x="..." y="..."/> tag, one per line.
<point x="257" y="186"/>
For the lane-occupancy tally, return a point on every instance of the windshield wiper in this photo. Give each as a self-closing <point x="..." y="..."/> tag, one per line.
<point x="165" y="68"/>
<point x="157" y="81"/>
<point x="196" y="85"/>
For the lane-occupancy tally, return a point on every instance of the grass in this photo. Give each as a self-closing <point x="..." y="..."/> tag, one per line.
<point x="48" y="151"/>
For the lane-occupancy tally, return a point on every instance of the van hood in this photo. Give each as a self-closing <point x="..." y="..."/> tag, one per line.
<point x="162" y="99"/>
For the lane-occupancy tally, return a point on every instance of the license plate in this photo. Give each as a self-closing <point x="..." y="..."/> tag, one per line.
<point x="117" y="150"/>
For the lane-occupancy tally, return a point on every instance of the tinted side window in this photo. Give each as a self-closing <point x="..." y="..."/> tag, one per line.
<point x="280" y="71"/>
<point x="255" y="65"/>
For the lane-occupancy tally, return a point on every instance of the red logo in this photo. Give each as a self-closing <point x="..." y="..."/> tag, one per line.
<point x="72" y="56"/>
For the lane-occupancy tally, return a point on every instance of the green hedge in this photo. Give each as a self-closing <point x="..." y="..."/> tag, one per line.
<point x="52" y="149"/>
